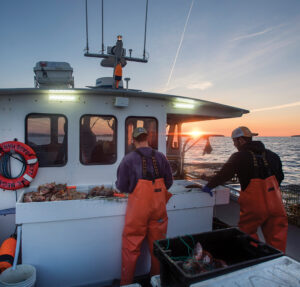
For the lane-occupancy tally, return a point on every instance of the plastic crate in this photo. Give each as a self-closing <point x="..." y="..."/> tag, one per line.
<point x="219" y="224"/>
<point x="236" y="248"/>
<point x="291" y="200"/>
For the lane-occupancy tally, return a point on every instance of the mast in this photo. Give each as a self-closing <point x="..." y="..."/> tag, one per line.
<point x="117" y="54"/>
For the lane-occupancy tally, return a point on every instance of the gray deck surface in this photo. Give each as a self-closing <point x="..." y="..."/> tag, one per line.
<point x="230" y="215"/>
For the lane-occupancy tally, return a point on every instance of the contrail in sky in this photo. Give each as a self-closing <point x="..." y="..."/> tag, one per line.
<point x="253" y="34"/>
<point x="180" y="43"/>
<point x="276" y="107"/>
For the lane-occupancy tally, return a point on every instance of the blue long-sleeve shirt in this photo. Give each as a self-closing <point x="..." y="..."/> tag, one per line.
<point x="130" y="169"/>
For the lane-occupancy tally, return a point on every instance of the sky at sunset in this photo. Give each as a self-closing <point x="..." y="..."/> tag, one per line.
<point x="239" y="53"/>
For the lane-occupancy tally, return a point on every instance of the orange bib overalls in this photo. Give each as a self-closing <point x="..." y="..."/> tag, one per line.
<point x="146" y="216"/>
<point x="261" y="205"/>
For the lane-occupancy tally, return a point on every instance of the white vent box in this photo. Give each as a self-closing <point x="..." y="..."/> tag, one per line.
<point x="107" y="82"/>
<point x="121" y="102"/>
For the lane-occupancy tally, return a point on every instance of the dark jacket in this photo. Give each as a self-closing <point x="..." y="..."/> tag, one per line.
<point x="130" y="169"/>
<point x="241" y="164"/>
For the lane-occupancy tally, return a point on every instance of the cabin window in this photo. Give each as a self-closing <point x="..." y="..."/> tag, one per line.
<point x="149" y="123"/>
<point x="98" y="139"/>
<point x="46" y="134"/>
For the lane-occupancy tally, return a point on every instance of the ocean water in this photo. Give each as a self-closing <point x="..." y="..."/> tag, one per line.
<point x="288" y="148"/>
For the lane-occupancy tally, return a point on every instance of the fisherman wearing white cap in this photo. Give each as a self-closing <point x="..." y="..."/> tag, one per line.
<point x="259" y="171"/>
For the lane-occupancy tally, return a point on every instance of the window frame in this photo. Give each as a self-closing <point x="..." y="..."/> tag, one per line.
<point x="140" y="117"/>
<point x="116" y="139"/>
<point x="49" y="115"/>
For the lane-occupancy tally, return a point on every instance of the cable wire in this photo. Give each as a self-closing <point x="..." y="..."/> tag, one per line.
<point x="5" y="165"/>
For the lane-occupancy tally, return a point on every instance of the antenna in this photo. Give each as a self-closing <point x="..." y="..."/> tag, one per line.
<point x="86" y="26"/>
<point x="115" y="54"/>
<point x="144" y="53"/>
<point x="102" y="50"/>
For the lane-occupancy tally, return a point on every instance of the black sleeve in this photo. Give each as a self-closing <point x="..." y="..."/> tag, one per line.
<point x="277" y="168"/>
<point x="227" y="172"/>
<point x="168" y="177"/>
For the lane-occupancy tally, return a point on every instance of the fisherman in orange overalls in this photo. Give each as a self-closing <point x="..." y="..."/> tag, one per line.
<point x="146" y="175"/>
<point x="260" y="173"/>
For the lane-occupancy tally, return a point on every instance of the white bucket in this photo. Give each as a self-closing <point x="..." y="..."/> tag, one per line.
<point x="23" y="276"/>
<point x="155" y="281"/>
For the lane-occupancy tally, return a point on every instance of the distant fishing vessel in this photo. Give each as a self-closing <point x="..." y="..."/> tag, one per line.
<point x="79" y="137"/>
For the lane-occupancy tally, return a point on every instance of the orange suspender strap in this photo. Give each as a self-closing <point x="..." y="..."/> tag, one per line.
<point x="254" y="159"/>
<point x="144" y="164"/>
<point x="255" y="163"/>
<point x="263" y="157"/>
<point x="155" y="164"/>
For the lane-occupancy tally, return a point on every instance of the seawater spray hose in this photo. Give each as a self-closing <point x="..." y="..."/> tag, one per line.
<point x="5" y="166"/>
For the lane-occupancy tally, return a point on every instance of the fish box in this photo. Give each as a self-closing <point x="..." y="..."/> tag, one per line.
<point x="78" y="242"/>
<point x="231" y="245"/>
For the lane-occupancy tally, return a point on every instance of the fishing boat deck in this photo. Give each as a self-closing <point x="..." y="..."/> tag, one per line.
<point x="229" y="214"/>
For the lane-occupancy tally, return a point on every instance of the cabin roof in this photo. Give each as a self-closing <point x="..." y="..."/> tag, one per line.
<point x="202" y="109"/>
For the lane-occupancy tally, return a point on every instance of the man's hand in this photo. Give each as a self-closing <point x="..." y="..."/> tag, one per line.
<point x="208" y="190"/>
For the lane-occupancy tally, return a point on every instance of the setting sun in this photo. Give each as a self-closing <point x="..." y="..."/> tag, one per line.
<point x="195" y="133"/>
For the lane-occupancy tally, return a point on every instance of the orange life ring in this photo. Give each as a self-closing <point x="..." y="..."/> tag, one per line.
<point x="31" y="169"/>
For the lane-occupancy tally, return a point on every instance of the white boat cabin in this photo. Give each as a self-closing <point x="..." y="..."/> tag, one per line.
<point x="80" y="136"/>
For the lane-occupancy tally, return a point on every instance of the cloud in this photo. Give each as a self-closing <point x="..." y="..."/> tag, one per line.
<point x="232" y="59"/>
<point x="191" y="81"/>
<point x="200" y="86"/>
<point x="276" y="107"/>
<point x="259" y="33"/>
<point x="180" y="43"/>
<point x="235" y="61"/>
<point x="246" y="36"/>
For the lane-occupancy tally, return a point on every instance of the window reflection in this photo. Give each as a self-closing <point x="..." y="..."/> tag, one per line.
<point x="98" y="139"/>
<point x="150" y="124"/>
<point x="47" y="135"/>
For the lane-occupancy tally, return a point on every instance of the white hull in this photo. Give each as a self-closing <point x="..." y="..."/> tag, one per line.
<point x="72" y="243"/>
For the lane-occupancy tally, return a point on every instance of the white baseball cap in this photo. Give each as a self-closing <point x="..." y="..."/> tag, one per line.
<point x="242" y="132"/>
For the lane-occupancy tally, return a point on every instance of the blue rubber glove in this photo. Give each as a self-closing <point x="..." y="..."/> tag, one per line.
<point x="207" y="189"/>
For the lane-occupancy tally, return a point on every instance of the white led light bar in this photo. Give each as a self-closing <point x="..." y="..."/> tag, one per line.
<point x="183" y="106"/>
<point x="61" y="91"/>
<point x="63" y="98"/>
